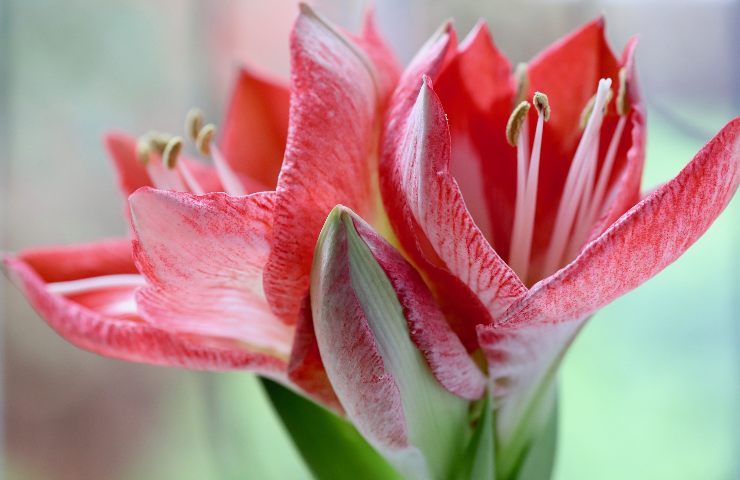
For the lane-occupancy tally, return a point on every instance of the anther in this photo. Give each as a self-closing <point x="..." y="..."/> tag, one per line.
<point x="516" y="120"/>
<point x="193" y="123"/>
<point x="522" y="83"/>
<point x="542" y="105"/>
<point x="142" y="149"/>
<point x="623" y="105"/>
<point x="203" y="140"/>
<point x="171" y="152"/>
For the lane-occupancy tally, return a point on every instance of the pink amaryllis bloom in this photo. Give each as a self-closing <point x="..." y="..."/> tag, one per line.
<point x="393" y="245"/>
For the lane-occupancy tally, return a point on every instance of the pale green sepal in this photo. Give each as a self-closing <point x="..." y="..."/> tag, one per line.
<point x="436" y="419"/>
<point x="540" y="458"/>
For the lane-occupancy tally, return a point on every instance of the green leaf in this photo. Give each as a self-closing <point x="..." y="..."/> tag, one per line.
<point x="331" y="446"/>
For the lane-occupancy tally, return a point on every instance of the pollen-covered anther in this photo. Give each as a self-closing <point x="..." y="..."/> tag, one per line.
<point x="193" y="123"/>
<point x="171" y="152"/>
<point x="623" y="103"/>
<point x="142" y="149"/>
<point x="516" y="120"/>
<point x="542" y="104"/>
<point x="204" y="138"/>
<point x="522" y="82"/>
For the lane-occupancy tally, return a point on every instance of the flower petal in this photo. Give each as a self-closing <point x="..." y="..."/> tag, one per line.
<point x="203" y="258"/>
<point x="429" y="215"/>
<point x="379" y="375"/>
<point x="256" y="126"/>
<point x="328" y="159"/>
<point x="305" y="368"/>
<point x="477" y="95"/>
<point x="643" y="241"/>
<point x="104" y="320"/>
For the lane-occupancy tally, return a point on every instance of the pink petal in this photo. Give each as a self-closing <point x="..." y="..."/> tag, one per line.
<point x="429" y="215"/>
<point x="305" y="368"/>
<point x="256" y="126"/>
<point x="83" y="319"/>
<point x="328" y="159"/>
<point x="643" y="241"/>
<point x="203" y="258"/>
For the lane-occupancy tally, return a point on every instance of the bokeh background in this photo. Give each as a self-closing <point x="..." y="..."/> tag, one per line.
<point x="650" y="390"/>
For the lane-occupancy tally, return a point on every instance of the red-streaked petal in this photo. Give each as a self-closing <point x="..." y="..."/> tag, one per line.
<point x="256" y="126"/>
<point x="203" y="258"/>
<point x="643" y="241"/>
<point x="442" y="349"/>
<point x="428" y="212"/>
<point x="328" y="159"/>
<point x="477" y="94"/>
<point x="125" y="337"/>
<point x="305" y="368"/>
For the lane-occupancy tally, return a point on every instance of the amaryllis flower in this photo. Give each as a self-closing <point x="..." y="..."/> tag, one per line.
<point x="414" y="251"/>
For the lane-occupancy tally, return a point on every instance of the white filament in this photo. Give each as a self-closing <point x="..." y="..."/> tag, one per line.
<point x="190" y="179"/>
<point x="229" y="179"/>
<point x="521" y="239"/>
<point x="85" y="285"/>
<point x="576" y="181"/>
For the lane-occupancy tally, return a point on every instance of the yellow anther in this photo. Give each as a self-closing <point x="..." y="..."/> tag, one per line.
<point x="193" y="123"/>
<point x="522" y="83"/>
<point x="516" y="120"/>
<point x="171" y="152"/>
<point x="203" y="141"/>
<point x="142" y="149"/>
<point x="623" y="104"/>
<point x="542" y="105"/>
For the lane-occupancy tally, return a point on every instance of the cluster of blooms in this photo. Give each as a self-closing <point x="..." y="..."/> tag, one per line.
<point x="394" y="245"/>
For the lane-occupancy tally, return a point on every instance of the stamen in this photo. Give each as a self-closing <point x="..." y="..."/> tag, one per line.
<point x="190" y="180"/>
<point x="576" y="181"/>
<point x="204" y="138"/>
<point x="229" y="179"/>
<point x="542" y="105"/>
<point x="171" y="151"/>
<point x="522" y="83"/>
<point x="193" y="123"/>
<point x="588" y="109"/>
<point x="606" y="170"/>
<point x="84" y="285"/>
<point x="623" y="105"/>
<point x="521" y="243"/>
<point x="516" y="119"/>
<point x="142" y="149"/>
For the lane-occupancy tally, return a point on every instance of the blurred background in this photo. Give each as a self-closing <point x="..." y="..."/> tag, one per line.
<point x="650" y="390"/>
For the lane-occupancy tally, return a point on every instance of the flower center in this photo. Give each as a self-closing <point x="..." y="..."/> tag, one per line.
<point x="159" y="153"/>
<point x="583" y="192"/>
